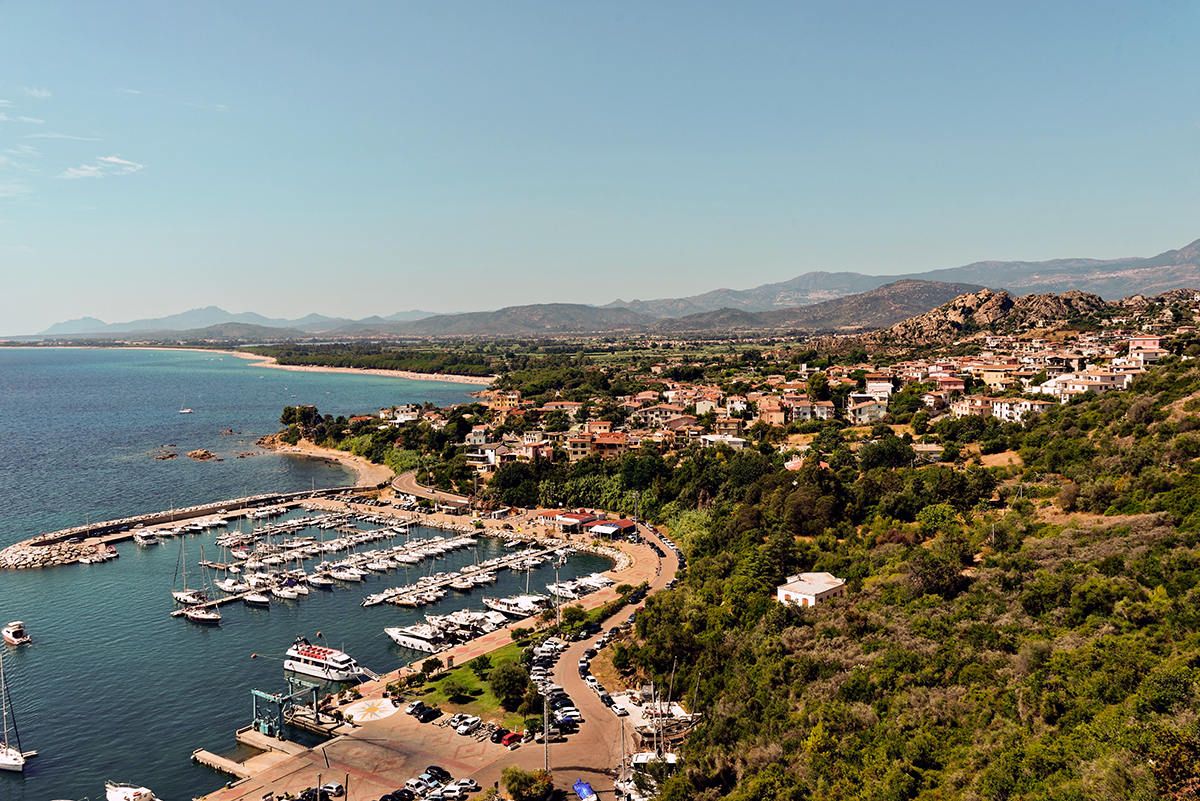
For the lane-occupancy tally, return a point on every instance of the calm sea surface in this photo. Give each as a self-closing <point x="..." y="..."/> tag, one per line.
<point x="113" y="687"/>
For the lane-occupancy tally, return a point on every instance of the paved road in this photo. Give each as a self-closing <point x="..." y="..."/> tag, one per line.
<point x="407" y="482"/>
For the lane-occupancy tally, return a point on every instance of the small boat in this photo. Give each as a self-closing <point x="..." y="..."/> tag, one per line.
<point x="320" y="582"/>
<point x="15" y="634"/>
<point x="114" y="791"/>
<point x="202" y="614"/>
<point x="256" y="599"/>
<point x="145" y="538"/>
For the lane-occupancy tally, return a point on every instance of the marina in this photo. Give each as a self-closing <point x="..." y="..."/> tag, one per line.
<point x="81" y="428"/>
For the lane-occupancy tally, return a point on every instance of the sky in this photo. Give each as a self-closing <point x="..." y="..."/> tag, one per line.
<point x="363" y="158"/>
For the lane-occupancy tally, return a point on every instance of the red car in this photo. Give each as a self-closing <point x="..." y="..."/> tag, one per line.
<point x="511" y="738"/>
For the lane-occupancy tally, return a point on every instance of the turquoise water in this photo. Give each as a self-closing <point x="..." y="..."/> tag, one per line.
<point x="113" y="687"/>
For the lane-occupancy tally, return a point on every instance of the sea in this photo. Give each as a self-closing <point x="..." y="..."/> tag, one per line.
<point x="113" y="687"/>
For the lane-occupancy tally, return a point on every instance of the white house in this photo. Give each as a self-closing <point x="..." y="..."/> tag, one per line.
<point x="810" y="589"/>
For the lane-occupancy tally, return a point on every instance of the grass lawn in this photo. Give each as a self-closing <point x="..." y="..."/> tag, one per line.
<point x="482" y="702"/>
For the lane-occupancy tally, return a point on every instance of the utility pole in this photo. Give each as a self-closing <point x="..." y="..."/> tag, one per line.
<point x="546" y="731"/>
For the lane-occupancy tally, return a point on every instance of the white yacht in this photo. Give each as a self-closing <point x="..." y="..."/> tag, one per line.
<point x="418" y="637"/>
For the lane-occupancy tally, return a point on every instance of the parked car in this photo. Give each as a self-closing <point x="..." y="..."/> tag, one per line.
<point x="438" y="772"/>
<point x="511" y="739"/>
<point x="469" y="725"/>
<point x="498" y="735"/>
<point x="620" y="710"/>
<point x="414" y="707"/>
<point x="429" y="713"/>
<point x="591" y="680"/>
<point x="468" y="785"/>
<point x="334" y="789"/>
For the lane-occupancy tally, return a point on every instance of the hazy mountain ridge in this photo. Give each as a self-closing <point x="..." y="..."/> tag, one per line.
<point x="1109" y="278"/>
<point x="877" y="308"/>
<point x="1112" y="278"/>
<point x="196" y="319"/>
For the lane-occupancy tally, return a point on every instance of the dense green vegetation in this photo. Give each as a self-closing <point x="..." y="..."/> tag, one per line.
<point x="1061" y="662"/>
<point x="452" y="361"/>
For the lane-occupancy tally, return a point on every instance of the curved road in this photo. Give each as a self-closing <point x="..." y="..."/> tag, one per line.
<point x="592" y="752"/>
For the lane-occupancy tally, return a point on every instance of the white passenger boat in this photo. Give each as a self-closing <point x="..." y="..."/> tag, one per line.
<point x="329" y="664"/>
<point x="418" y="637"/>
<point x="145" y="538"/>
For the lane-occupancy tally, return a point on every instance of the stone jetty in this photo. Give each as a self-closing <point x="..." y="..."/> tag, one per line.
<point x="71" y="544"/>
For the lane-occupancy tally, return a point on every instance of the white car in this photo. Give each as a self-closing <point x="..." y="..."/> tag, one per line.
<point x="619" y="710"/>
<point x="592" y="681"/>
<point x="469" y="725"/>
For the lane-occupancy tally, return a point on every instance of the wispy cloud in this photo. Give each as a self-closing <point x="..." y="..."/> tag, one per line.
<point x="63" y="136"/>
<point x="13" y="189"/>
<point x="5" y="118"/>
<point x="5" y="103"/>
<point x="206" y="106"/>
<point x="106" y="165"/>
<point x="130" y="91"/>
<point x="34" y="91"/>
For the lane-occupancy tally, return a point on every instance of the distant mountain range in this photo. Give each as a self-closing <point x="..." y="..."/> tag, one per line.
<point x="815" y="301"/>
<point x="1111" y="279"/>
<point x="210" y="316"/>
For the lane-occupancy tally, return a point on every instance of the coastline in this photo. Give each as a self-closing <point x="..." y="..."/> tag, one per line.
<point x="270" y="361"/>
<point x="367" y="474"/>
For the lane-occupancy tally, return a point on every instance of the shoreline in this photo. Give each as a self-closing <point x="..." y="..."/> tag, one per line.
<point x="366" y="474"/>
<point x="270" y="361"/>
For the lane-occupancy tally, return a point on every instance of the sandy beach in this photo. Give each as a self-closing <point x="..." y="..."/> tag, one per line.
<point x="367" y="474"/>
<point x="270" y="361"/>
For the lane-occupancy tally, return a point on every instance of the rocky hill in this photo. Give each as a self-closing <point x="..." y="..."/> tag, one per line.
<point x="988" y="310"/>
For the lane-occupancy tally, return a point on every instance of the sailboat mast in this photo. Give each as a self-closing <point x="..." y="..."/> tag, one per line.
<point x="7" y="711"/>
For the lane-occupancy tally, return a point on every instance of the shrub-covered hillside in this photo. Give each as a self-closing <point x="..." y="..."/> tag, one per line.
<point x="1007" y="634"/>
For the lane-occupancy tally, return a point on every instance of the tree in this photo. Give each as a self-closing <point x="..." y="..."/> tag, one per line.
<point x="818" y="387"/>
<point x="525" y="785"/>
<point x="508" y="681"/>
<point x="455" y="690"/>
<point x="431" y="665"/>
<point x="481" y="665"/>
<point x="573" y="616"/>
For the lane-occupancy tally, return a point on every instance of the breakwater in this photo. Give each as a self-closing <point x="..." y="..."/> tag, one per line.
<point x="69" y="545"/>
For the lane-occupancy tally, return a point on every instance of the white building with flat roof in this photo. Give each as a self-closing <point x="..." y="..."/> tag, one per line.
<point x="810" y="589"/>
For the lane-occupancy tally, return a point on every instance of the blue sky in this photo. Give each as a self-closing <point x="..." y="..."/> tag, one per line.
<point x="358" y="158"/>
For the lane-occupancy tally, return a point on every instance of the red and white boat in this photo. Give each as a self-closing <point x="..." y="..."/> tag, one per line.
<point x="329" y="664"/>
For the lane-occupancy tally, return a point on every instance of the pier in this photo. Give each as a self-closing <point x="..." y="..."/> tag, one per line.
<point x="431" y="584"/>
